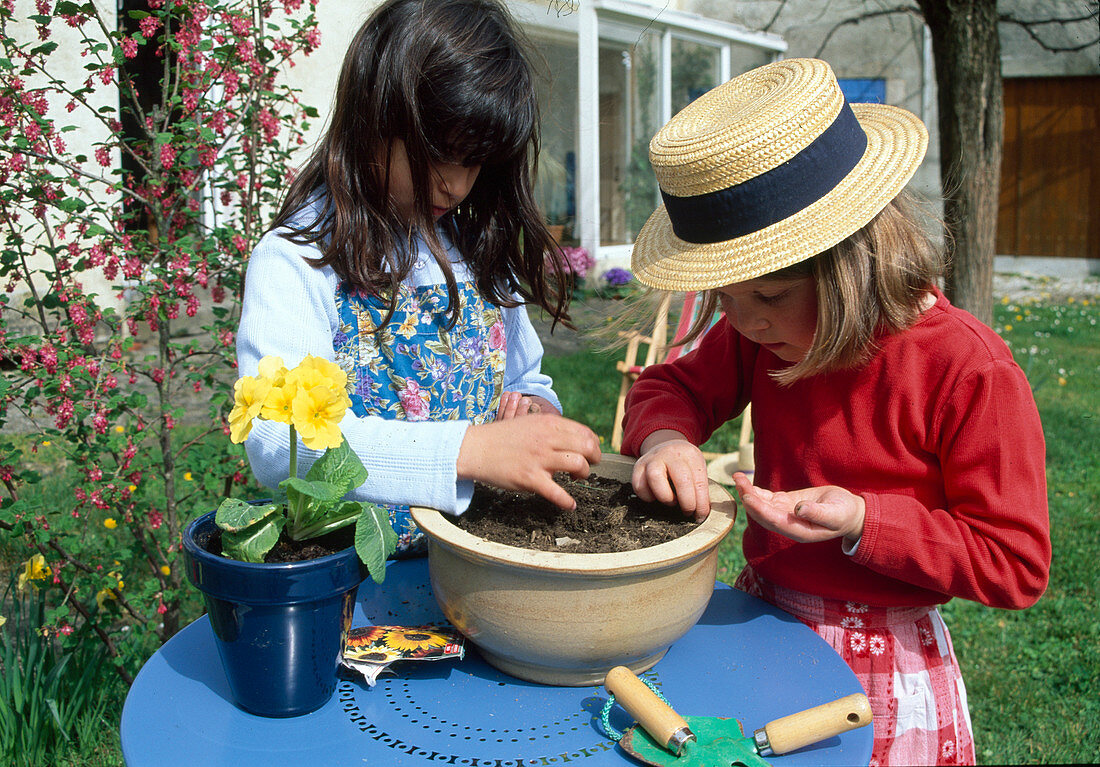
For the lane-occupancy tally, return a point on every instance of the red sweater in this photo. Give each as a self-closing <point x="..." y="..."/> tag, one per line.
<point x="938" y="432"/>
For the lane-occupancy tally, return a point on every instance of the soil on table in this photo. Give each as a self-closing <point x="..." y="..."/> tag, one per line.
<point x="609" y="517"/>
<point x="288" y="550"/>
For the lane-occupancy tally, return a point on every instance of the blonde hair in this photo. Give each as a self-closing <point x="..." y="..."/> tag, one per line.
<point x="871" y="283"/>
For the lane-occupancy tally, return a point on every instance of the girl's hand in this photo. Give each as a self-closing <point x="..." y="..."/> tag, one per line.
<point x="513" y="404"/>
<point x="525" y="453"/>
<point x="672" y="470"/>
<point x="809" y="515"/>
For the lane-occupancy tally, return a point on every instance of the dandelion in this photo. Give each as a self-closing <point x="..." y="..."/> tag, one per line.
<point x="34" y="569"/>
<point x="187" y="476"/>
<point x="165" y="570"/>
<point x="1008" y="328"/>
<point x="110" y="523"/>
<point x="119" y="429"/>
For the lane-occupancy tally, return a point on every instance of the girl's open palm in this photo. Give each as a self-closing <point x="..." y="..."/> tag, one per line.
<point x="525" y="453"/>
<point x="808" y="515"/>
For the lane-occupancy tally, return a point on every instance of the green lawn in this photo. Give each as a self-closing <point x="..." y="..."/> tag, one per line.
<point x="1033" y="677"/>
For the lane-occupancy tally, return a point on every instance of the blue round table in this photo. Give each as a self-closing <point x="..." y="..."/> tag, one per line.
<point x="744" y="659"/>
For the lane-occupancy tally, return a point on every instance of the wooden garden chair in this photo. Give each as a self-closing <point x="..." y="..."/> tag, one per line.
<point x="660" y="348"/>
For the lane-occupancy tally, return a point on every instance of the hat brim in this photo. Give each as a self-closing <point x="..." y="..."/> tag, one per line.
<point x="896" y="143"/>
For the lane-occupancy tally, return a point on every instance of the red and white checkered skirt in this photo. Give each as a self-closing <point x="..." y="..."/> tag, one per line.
<point x="904" y="659"/>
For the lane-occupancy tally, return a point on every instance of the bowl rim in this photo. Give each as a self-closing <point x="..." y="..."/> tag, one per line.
<point x="672" y="553"/>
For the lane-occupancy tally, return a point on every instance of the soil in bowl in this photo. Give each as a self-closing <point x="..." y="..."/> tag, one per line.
<point x="289" y="550"/>
<point x="609" y="517"/>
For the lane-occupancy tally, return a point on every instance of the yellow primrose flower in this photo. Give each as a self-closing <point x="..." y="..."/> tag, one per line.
<point x="279" y="403"/>
<point x="272" y="368"/>
<point x="120" y="429"/>
<point x="110" y="523"/>
<point x="131" y="488"/>
<point x="187" y="476"/>
<point x="248" y="397"/>
<point x="3" y="620"/>
<point x="34" y="569"/>
<point x="165" y="570"/>
<point x="317" y="415"/>
<point x="46" y="443"/>
<point x="317" y="371"/>
<point x="1008" y="328"/>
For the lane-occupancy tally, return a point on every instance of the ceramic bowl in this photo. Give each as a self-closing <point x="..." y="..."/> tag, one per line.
<point x="568" y="618"/>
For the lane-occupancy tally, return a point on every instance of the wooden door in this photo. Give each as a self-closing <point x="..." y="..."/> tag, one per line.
<point x="1050" y="173"/>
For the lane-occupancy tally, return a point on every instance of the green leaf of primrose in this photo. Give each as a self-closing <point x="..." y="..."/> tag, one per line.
<point x="252" y="543"/>
<point x="235" y="515"/>
<point x="375" y="540"/>
<point x="307" y="503"/>
<point x="339" y="466"/>
<point x="345" y="514"/>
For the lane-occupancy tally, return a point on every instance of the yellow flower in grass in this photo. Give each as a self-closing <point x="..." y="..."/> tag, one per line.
<point x="34" y="569"/>
<point x="110" y="523"/>
<point x="165" y="570"/>
<point x="317" y="415"/>
<point x="248" y="399"/>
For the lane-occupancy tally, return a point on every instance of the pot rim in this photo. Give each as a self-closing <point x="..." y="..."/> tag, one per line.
<point x="699" y="541"/>
<point x="199" y="552"/>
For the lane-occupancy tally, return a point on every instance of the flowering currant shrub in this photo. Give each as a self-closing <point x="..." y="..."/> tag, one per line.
<point x="140" y="157"/>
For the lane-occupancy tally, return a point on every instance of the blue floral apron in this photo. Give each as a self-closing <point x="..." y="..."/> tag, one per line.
<point x="418" y="369"/>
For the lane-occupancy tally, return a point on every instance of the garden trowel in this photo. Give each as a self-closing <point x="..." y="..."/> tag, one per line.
<point x="663" y="737"/>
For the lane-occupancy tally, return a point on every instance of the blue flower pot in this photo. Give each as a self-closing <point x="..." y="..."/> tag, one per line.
<point x="280" y="628"/>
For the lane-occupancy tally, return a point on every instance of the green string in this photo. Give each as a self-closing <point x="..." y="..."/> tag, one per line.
<point x="605" y="714"/>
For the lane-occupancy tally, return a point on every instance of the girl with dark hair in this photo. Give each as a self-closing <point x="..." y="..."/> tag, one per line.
<point x="406" y="251"/>
<point x="899" y="454"/>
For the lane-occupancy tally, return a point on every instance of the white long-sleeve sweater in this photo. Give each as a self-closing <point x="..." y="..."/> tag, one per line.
<point x="290" y="311"/>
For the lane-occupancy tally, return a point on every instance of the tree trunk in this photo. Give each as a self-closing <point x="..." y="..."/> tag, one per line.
<point x="967" y="50"/>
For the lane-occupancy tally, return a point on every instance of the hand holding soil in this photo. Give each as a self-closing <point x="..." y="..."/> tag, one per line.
<point x="525" y="453"/>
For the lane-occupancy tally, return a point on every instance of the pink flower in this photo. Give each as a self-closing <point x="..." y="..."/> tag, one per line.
<point x="149" y="26"/>
<point x="497" y="338"/>
<point x="414" y="402"/>
<point x="129" y="47"/>
<point x="167" y="155"/>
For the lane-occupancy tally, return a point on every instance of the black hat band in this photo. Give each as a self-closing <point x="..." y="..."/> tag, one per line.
<point x="774" y="195"/>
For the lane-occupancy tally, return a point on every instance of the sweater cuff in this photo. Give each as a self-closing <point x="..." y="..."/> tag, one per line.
<point x="872" y="518"/>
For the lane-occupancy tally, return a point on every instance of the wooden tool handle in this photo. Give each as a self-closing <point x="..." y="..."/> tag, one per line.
<point x="654" y="715"/>
<point x="790" y="733"/>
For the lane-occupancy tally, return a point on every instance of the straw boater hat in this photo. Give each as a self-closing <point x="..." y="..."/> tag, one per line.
<point x="767" y="170"/>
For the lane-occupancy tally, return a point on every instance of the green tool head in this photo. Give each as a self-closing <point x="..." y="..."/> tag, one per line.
<point x="719" y="742"/>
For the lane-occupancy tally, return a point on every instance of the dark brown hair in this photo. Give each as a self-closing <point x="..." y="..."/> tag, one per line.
<point x="452" y="80"/>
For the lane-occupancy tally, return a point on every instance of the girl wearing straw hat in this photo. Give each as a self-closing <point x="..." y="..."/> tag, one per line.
<point x="899" y="454"/>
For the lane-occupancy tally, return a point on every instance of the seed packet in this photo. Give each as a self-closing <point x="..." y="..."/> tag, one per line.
<point x="369" y="650"/>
